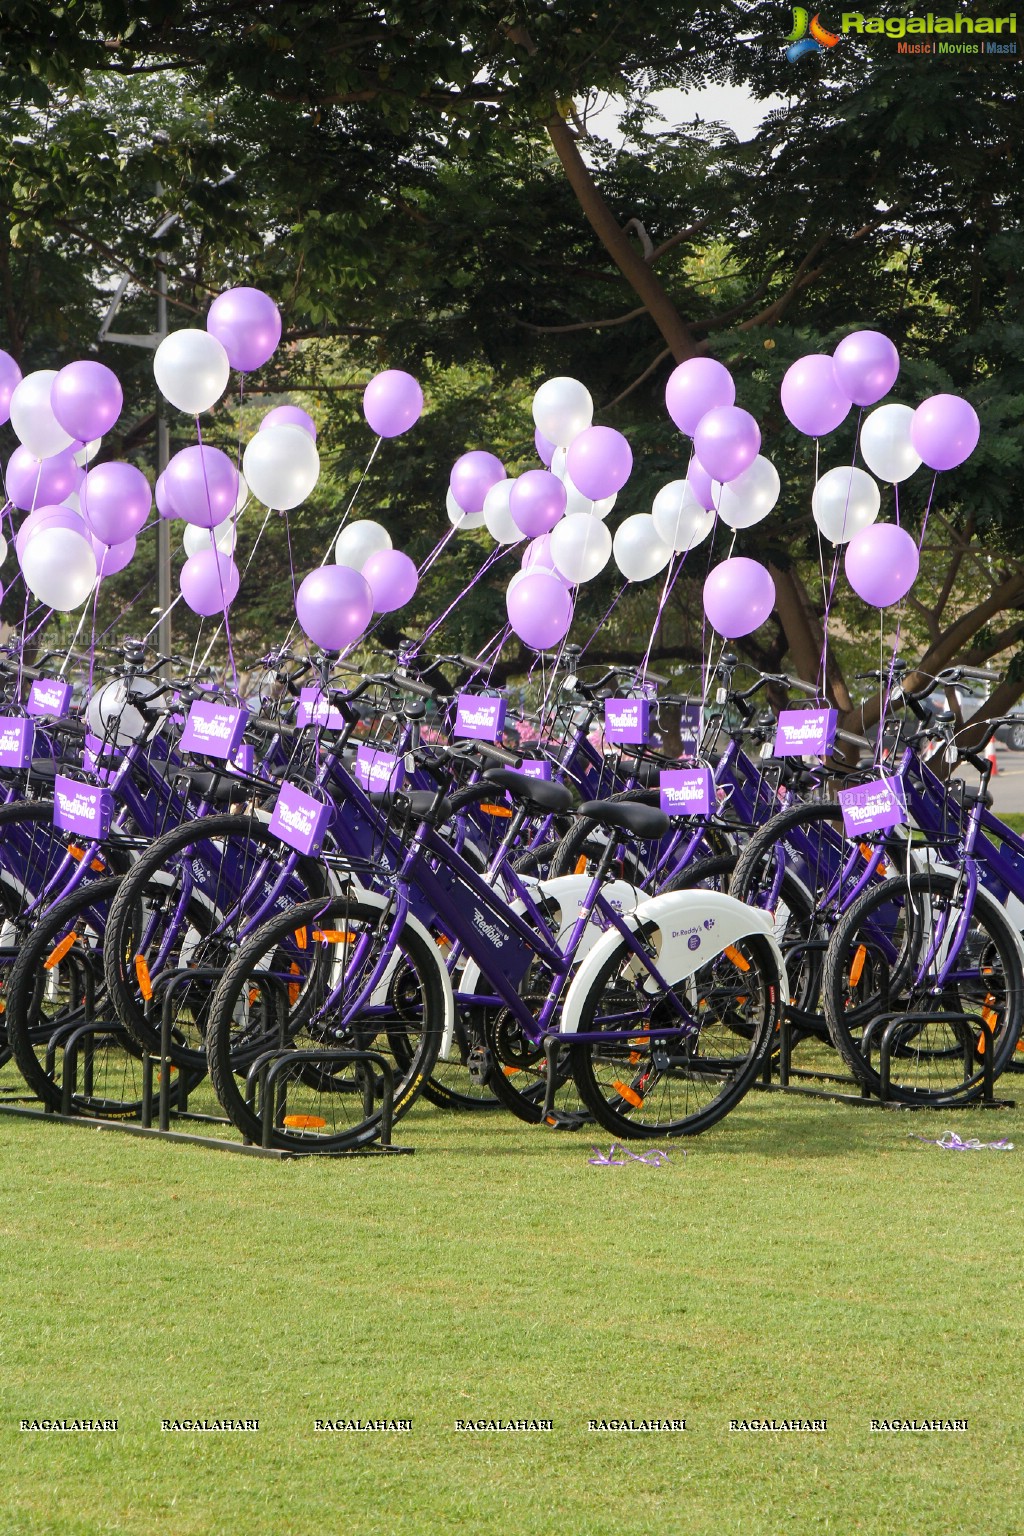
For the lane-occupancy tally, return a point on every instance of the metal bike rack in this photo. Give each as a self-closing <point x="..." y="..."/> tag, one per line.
<point x="77" y="1043"/>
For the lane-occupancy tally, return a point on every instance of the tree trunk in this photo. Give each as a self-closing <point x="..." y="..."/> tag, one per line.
<point x="641" y="277"/>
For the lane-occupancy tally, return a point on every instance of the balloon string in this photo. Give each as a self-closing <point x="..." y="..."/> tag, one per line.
<point x="352" y="503"/>
<point x="896" y="495"/>
<point x="602" y="622"/>
<point x="195" y="648"/>
<point x="823" y="675"/>
<point x="674" y="572"/>
<point x="252" y="554"/>
<point x="220" y="572"/>
<point x="173" y="604"/>
<point x="492" y="560"/>
<point x="928" y="507"/>
<point x="21" y="648"/>
<point x="78" y="631"/>
<point x="441" y="544"/>
<point x="887" y="692"/>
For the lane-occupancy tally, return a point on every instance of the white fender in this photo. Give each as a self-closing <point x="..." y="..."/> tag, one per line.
<point x="562" y="899"/>
<point x="691" y="927"/>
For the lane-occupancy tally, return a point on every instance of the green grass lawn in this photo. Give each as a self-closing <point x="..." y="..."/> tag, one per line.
<point x="803" y="1260"/>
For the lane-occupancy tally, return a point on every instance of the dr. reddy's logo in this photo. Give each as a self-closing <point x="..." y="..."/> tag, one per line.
<point x="926" y="34"/>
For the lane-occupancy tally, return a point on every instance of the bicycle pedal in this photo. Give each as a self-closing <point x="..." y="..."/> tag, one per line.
<point x="564" y="1120"/>
<point x="480" y="1063"/>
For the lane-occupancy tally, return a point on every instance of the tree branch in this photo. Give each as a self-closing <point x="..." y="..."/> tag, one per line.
<point x="579" y="325"/>
<point x="667" y="352"/>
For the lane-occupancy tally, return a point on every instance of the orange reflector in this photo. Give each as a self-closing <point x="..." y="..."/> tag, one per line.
<point x="510" y="1071"/>
<point x="333" y="936"/>
<point x="300" y="937"/>
<point x="738" y="960"/>
<point x="293" y="987"/>
<point x="624" y="1091"/>
<point x="857" y="968"/>
<point x="254" y="993"/>
<point x="142" y="972"/>
<point x="443" y="941"/>
<point x="490" y="809"/>
<point x="634" y="1057"/>
<point x="304" y="1122"/>
<point x="581" y="865"/>
<point x="641" y="1040"/>
<point x="78" y="854"/>
<point x="57" y="955"/>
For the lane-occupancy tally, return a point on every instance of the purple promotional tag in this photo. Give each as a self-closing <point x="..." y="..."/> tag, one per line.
<point x="873" y="807"/>
<point x="16" y="737"/>
<point x="479" y="717"/>
<point x="49" y="696"/>
<point x="381" y="773"/>
<point x="314" y="709"/>
<point x="805" y="732"/>
<point x="82" y="808"/>
<point x="214" y="729"/>
<point x="686" y="791"/>
<point x="627" y="722"/>
<point x="299" y="820"/>
<point x="689" y="728"/>
<point x="244" y="759"/>
<point x="95" y="751"/>
<point x="535" y="768"/>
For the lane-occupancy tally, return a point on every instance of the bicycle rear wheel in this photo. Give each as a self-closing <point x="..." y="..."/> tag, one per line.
<point x="726" y="1012"/>
<point x="327" y="977"/>
<point x="884" y="967"/>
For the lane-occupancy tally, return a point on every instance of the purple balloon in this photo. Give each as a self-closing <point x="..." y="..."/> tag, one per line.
<point x="866" y="364"/>
<point x="392" y="578"/>
<point x="162" y="497"/>
<point x="10" y="378"/>
<point x="545" y="450"/>
<point x="701" y="484"/>
<point x="209" y="582"/>
<point x="537" y="501"/>
<point x="540" y="610"/>
<point x="392" y="402"/>
<point x="739" y="595"/>
<point x="115" y="500"/>
<point x="812" y="397"/>
<point x="86" y="399"/>
<point x="472" y="477"/>
<point x="697" y="386"/>
<point x="537" y="552"/>
<point x="881" y="564"/>
<point x="41" y="482"/>
<point x="247" y="323"/>
<point x="334" y="605"/>
<point x="289" y="416"/>
<point x="47" y="517"/>
<point x="202" y="485"/>
<point x="111" y="558"/>
<point x="599" y="462"/>
<point x="945" y="431"/>
<point x="727" y="441"/>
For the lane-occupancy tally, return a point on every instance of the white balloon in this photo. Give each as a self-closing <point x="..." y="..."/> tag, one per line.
<point x="59" y="567"/>
<point x="639" y="551"/>
<point x="191" y="370"/>
<point x="33" y="420"/>
<point x="87" y="452"/>
<point x="575" y="501"/>
<point x="751" y="496"/>
<point x="679" y="519"/>
<point x="496" y="514"/>
<point x="281" y="465"/>
<point x="558" y="463"/>
<point x="581" y="546"/>
<point x="111" y="717"/>
<point x="359" y="541"/>
<point x="562" y="409"/>
<point x="845" y="501"/>
<point x="3" y="549"/>
<point x="194" y="539"/>
<point x="885" y="444"/>
<point x="463" y="521"/>
<point x="72" y="503"/>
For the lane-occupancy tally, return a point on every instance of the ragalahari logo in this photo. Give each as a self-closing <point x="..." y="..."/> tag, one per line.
<point x="800" y="43"/>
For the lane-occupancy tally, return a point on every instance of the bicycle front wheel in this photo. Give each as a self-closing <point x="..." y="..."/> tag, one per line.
<point x="324" y="980"/>
<point x="723" y="1018"/>
<point x="910" y="967"/>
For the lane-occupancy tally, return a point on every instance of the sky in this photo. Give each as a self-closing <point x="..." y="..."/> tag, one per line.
<point x="730" y="104"/>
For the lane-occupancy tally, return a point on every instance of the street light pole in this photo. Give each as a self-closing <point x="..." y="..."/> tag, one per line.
<point x="163" y="453"/>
